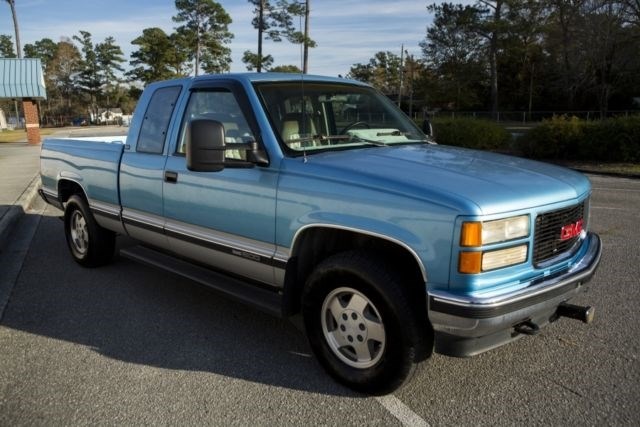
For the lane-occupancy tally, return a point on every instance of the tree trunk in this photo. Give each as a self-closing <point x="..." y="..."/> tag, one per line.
<point x="493" y="60"/>
<point x="533" y="66"/>
<point x="564" y="25"/>
<point x="197" y="70"/>
<point x="198" y="40"/>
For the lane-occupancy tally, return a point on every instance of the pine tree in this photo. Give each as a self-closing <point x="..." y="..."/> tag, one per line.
<point x="205" y="29"/>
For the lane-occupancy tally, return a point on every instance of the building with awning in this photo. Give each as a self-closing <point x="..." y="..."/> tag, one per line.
<point x="24" y="79"/>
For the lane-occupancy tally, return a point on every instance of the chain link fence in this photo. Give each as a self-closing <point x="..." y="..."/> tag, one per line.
<point x="525" y="117"/>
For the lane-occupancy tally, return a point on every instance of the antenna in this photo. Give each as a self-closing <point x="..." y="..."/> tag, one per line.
<point x="302" y="101"/>
<point x="401" y="70"/>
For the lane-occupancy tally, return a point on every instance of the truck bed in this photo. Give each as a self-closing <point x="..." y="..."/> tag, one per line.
<point x="91" y="162"/>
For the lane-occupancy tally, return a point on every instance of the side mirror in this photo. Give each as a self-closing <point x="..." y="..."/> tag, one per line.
<point x="427" y="128"/>
<point x="256" y="155"/>
<point x="206" y="146"/>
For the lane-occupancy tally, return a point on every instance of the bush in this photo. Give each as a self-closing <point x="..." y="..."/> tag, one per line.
<point x="568" y="138"/>
<point x="471" y="133"/>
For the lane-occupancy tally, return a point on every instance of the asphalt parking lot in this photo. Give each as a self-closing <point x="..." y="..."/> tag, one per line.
<point x="130" y="345"/>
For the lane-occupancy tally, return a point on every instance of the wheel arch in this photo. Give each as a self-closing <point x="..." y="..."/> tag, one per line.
<point x="68" y="187"/>
<point x="319" y="241"/>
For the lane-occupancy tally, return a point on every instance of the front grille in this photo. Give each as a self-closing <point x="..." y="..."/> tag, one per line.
<point x="548" y="230"/>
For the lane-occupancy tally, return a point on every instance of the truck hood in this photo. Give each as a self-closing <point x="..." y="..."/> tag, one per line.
<point x="475" y="182"/>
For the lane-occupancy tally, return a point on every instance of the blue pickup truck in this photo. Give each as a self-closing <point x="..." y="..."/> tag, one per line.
<point x="317" y="196"/>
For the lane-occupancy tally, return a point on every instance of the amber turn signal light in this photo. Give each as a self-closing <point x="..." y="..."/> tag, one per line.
<point x="470" y="262"/>
<point x="471" y="234"/>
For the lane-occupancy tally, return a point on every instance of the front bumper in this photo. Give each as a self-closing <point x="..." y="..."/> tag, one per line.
<point x="466" y="326"/>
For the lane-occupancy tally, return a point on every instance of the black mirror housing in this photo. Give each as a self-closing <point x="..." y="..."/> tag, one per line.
<point x="206" y="146"/>
<point x="256" y="155"/>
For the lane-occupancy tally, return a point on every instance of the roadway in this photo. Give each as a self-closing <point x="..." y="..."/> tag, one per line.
<point x="126" y="344"/>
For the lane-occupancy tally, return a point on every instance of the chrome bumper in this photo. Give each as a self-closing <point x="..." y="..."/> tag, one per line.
<point x="468" y="326"/>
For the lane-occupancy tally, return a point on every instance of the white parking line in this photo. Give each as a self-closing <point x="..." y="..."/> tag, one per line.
<point x="401" y="411"/>
<point x="608" y="208"/>
<point x="632" y="190"/>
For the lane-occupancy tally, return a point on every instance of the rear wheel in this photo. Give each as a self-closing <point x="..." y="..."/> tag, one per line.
<point x="89" y="244"/>
<point x="360" y="323"/>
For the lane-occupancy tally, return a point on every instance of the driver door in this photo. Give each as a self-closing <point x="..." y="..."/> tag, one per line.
<point x="223" y="219"/>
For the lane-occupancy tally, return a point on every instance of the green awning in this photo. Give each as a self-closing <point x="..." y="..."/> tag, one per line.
<point x="22" y="78"/>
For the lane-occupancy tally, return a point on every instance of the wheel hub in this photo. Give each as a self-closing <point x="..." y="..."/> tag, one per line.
<point x="352" y="327"/>
<point x="79" y="233"/>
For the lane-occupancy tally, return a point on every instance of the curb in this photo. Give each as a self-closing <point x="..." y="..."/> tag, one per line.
<point x="15" y="212"/>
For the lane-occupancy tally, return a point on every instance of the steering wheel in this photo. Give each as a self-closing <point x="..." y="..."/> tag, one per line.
<point x="354" y="124"/>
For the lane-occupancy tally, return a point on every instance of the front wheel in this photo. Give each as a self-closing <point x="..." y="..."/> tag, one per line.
<point x="360" y="323"/>
<point x="89" y="244"/>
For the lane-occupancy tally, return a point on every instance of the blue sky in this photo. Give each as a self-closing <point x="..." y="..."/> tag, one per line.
<point x="347" y="31"/>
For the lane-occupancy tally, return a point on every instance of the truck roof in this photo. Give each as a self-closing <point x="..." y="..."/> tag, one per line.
<point x="263" y="77"/>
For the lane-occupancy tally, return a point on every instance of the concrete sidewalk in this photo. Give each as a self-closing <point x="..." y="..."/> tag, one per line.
<point x="19" y="173"/>
<point x="19" y="183"/>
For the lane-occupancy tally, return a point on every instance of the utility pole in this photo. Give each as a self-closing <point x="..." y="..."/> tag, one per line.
<point x="305" y="66"/>
<point x="411" y="64"/>
<point x="12" y="5"/>
<point x="29" y="106"/>
<point x="260" y="23"/>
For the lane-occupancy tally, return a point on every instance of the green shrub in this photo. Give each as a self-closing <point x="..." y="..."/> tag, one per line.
<point x="470" y="133"/>
<point x="557" y="138"/>
<point x="613" y="140"/>
<point x="568" y="138"/>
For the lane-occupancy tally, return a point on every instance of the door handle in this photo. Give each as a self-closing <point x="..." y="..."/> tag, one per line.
<point x="170" y="176"/>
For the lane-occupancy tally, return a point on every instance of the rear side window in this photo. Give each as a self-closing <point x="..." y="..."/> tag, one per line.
<point x="153" y="131"/>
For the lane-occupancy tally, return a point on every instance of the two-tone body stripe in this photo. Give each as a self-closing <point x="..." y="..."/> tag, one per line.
<point x="106" y="210"/>
<point x="225" y="248"/>
<point x="221" y="242"/>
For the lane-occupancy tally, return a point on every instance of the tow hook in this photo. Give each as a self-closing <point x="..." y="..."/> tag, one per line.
<point x="527" y="328"/>
<point x="584" y="314"/>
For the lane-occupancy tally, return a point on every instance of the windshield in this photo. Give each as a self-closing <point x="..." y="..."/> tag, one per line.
<point x="326" y="116"/>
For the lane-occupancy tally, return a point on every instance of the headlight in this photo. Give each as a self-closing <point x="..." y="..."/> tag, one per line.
<point x="485" y="233"/>
<point x="477" y="262"/>
<point x="475" y="234"/>
<point x="504" y="257"/>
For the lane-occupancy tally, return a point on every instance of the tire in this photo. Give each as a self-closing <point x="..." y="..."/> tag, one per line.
<point x="361" y="325"/>
<point x="89" y="244"/>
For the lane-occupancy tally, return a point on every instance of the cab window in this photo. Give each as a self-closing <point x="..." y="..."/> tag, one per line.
<point x="220" y="105"/>
<point x="153" y="131"/>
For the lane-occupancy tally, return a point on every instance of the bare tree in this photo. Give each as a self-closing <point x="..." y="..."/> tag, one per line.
<point x="632" y="11"/>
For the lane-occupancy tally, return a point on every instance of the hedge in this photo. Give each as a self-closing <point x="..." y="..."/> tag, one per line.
<point x="569" y="138"/>
<point x="470" y="133"/>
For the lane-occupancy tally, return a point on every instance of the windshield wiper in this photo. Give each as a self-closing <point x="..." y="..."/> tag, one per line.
<point x="321" y="138"/>
<point x="370" y="141"/>
<point x="346" y="138"/>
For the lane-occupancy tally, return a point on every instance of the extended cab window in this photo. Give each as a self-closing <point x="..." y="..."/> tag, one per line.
<point x="156" y="120"/>
<point x="220" y="105"/>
